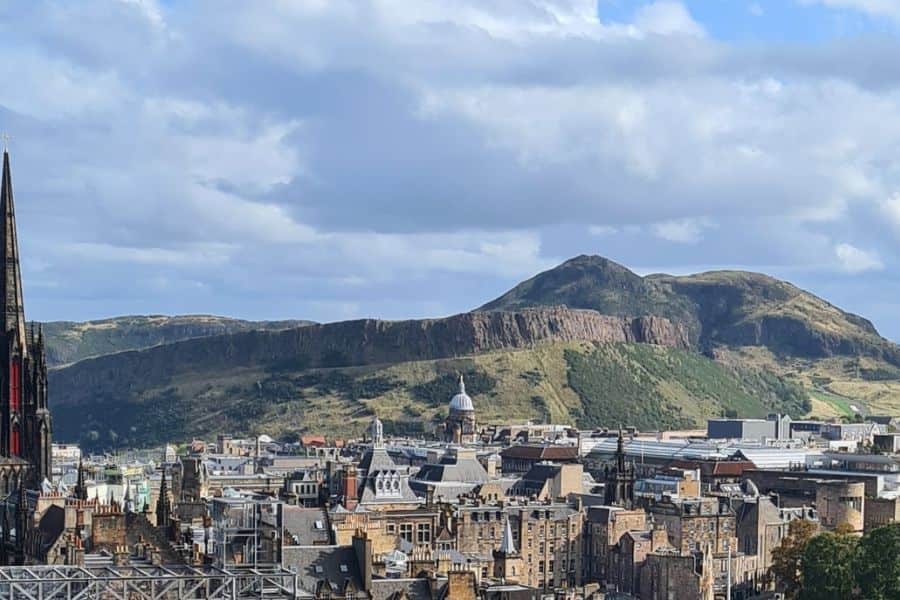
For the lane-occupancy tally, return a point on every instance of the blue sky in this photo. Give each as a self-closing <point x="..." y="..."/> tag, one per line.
<point x="332" y="159"/>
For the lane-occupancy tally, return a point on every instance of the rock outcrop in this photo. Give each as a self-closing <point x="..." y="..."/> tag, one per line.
<point x="360" y="342"/>
<point x="719" y="308"/>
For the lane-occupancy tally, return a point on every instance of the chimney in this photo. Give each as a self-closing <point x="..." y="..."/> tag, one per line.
<point x="351" y="494"/>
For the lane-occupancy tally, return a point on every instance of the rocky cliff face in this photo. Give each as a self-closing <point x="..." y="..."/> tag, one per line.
<point x="731" y="308"/>
<point x="350" y="343"/>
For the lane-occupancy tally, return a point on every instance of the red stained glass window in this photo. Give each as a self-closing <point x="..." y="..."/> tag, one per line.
<point x="15" y="386"/>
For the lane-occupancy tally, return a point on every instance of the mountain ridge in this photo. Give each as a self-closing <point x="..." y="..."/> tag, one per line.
<point x="718" y="308"/>
<point x="634" y="348"/>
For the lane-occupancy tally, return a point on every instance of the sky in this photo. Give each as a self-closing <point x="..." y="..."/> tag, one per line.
<point x="335" y="159"/>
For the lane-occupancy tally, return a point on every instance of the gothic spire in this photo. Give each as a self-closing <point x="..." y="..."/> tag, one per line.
<point x="162" y="504"/>
<point x="13" y="310"/>
<point x="80" y="489"/>
<point x="507" y="544"/>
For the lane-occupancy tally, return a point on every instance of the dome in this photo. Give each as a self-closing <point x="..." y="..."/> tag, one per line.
<point x="461" y="401"/>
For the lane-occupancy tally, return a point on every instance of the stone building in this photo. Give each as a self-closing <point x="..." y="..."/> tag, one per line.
<point x="382" y="485"/>
<point x="760" y="528"/>
<point x="670" y="575"/>
<point x="604" y="526"/>
<point x="548" y="537"/>
<point x="697" y="523"/>
<point x="881" y="511"/>
<point x="628" y="556"/>
<point x="620" y="478"/>
<point x="841" y="503"/>
<point x="459" y="427"/>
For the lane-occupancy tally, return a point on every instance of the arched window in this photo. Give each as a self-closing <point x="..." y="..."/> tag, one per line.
<point x="15" y="442"/>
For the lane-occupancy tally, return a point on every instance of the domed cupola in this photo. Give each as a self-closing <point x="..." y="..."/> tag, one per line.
<point x="461" y="402"/>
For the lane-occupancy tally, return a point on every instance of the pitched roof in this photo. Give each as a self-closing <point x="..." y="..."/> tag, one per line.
<point x="540" y="452"/>
<point x="333" y="565"/>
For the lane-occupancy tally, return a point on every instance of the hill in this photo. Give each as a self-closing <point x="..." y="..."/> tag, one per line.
<point x="589" y="342"/>
<point x="69" y="341"/>
<point x="720" y="308"/>
<point x="588" y="383"/>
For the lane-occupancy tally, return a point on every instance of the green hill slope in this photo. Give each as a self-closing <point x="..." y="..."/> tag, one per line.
<point x="584" y="383"/>
<point x="70" y="341"/>
<point x="721" y="308"/>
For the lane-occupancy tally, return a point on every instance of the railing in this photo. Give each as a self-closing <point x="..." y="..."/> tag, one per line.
<point x="145" y="583"/>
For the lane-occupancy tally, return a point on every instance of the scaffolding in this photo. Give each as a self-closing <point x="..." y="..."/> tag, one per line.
<point x="46" y="582"/>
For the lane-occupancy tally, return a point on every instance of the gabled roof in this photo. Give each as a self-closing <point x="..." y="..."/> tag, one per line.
<point x="329" y="565"/>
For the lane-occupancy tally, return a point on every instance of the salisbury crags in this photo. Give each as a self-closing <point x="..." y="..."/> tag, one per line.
<point x="354" y="343"/>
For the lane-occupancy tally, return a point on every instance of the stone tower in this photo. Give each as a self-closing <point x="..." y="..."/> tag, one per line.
<point x="508" y="564"/>
<point x="25" y="427"/>
<point x="620" y="479"/>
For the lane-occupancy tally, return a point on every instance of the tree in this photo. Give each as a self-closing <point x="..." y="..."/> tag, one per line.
<point x="877" y="563"/>
<point x="827" y="567"/>
<point x="786" y="557"/>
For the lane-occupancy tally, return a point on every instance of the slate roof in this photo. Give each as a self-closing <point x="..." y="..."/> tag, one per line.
<point x="540" y="452"/>
<point x="392" y="589"/>
<point x="315" y="564"/>
<point x="306" y="526"/>
<point x="51" y="526"/>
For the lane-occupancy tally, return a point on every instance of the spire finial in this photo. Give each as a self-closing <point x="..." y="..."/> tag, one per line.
<point x="507" y="544"/>
<point x="462" y="384"/>
<point x="6" y="137"/>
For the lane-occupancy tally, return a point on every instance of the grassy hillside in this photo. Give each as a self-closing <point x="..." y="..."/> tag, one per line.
<point x="837" y="384"/>
<point x="69" y="341"/>
<point x="721" y="308"/>
<point x="591" y="384"/>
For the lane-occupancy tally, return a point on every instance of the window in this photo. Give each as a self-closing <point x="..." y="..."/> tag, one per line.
<point x="541" y="567"/>
<point x="343" y="568"/>
<point x="406" y="531"/>
<point x="423" y="533"/>
<point x="391" y="528"/>
<point x="541" y="548"/>
<point x="550" y="567"/>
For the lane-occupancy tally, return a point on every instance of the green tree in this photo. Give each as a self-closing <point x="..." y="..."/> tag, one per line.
<point x="827" y="567"/>
<point x="786" y="557"/>
<point x="877" y="563"/>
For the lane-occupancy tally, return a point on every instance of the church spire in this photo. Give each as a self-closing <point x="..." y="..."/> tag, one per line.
<point x="163" y="508"/>
<point x="13" y="311"/>
<point x="80" y="488"/>
<point x="507" y="544"/>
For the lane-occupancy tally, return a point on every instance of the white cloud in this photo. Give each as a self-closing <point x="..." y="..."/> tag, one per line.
<point x="878" y="8"/>
<point x="378" y="141"/>
<point x="682" y="231"/>
<point x="854" y="260"/>
<point x="667" y="18"/>
<point x="602" y="230"/>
